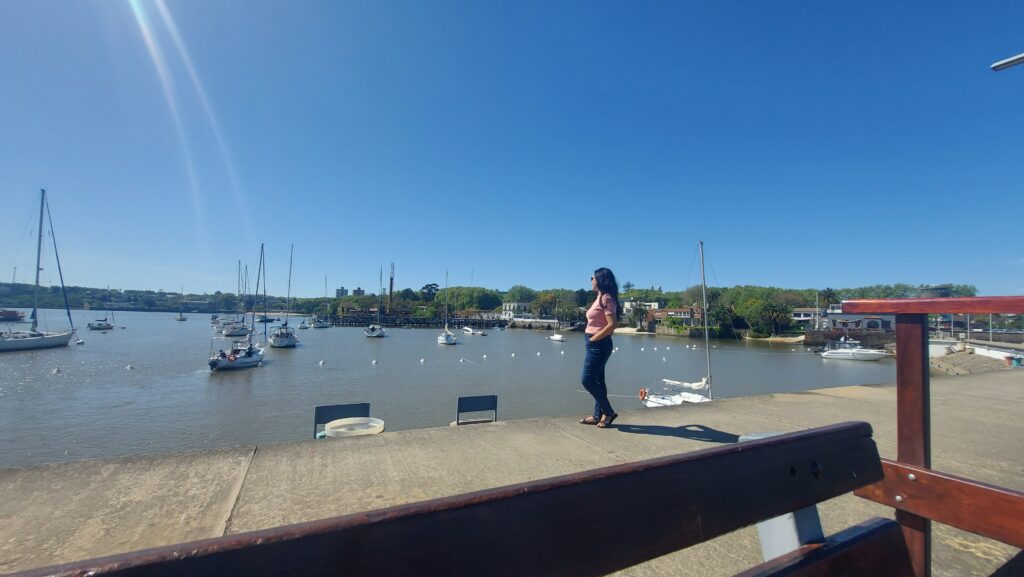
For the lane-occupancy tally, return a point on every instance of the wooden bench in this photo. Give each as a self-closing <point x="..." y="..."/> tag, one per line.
<point x="589" y="523"/>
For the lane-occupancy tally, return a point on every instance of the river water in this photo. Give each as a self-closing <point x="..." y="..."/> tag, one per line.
<point x="145" y="387"/>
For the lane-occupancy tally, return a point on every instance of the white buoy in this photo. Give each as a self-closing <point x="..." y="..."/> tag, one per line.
<point x="129" y="367"/>
<point x="485" y="356"/>
<point x="668" y="348"/>
<point x="462" y="360"/>
<point x="663" y="359"/>
<point x="373" y="362"/>
<point x="421" y="361"/>
<point x="538" y="353"/>
<point x="512" y="355"/>
<point x="655" y="348"/>
<point x="561" y="352"/>
<point x="321" y="363"/>
<point x="641" y="349"/>
<point x="56" y="371"/>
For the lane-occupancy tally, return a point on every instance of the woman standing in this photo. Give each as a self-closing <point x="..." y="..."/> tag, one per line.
<point x="601" y="319"/>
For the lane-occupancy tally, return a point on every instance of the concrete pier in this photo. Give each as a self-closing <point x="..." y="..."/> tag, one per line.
<point x="59" y="513"/>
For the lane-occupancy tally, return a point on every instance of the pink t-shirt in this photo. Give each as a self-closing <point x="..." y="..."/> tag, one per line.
<point x="596" y="319"/>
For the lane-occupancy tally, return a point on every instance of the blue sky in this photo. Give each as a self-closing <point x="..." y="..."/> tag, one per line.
<point x="809" y="144"/>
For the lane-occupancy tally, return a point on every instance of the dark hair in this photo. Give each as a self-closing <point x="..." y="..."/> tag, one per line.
<point x="607" y="284"/>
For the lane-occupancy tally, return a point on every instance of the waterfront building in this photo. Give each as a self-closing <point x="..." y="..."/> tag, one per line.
<point x="511" y="311"/>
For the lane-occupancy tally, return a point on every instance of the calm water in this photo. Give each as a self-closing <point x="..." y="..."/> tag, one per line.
<point x="84" y="402"/>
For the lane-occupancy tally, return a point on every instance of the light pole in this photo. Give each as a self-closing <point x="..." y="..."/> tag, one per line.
<point x="1011" y="61"/>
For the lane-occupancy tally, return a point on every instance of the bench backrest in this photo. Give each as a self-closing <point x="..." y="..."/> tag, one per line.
<point x="552" y="526"/>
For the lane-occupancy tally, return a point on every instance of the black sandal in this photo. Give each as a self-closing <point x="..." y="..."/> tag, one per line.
<point x="589" y="420"/>
<point x="607" y="421"/>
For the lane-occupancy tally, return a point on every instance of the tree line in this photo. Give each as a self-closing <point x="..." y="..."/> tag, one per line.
<point x="764" y="310"/>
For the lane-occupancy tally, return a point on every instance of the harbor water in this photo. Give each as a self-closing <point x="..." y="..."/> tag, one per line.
<point x="145" y="387"/>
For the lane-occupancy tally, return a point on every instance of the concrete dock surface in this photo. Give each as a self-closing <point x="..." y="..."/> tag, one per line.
<point x="65" y="512"/>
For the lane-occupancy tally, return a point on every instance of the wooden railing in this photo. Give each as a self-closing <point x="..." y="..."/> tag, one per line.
<point x="584" y="524"/>
<point x="919" y="494"/>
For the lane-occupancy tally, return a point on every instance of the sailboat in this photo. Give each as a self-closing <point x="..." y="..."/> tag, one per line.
<point x="243" y="354"/>
<point x="556" y="336"/>
<point x="672" y="395"/>
<point x="376" y="330"/>
<point x="104" y="324"/>
<point x="284" y="337"/>
<point x="33" y="339"/>
<point x="181" y="307"/>
<point x="447" y="337"/>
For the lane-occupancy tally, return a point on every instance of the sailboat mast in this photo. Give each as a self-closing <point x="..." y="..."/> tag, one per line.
<point x="39" y="255"/>
<point x="288" y="299"/>
<point x="704" y="297"/>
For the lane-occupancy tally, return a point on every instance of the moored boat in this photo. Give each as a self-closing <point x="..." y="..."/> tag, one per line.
<point x="32" y="338"/>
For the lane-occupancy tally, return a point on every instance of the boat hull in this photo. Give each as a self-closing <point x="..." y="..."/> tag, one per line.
<point x="856" y="355"/>
<point x="667" y="400"/>
<point x="241" y="362"/>
<point x="27" y="341"/>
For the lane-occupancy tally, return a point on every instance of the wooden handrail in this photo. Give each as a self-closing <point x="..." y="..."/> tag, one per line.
<point x="980" y="508"/>
<point x="945" y="306"/>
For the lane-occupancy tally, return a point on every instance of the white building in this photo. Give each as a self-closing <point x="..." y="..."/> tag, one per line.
<point x="511" y="311"/>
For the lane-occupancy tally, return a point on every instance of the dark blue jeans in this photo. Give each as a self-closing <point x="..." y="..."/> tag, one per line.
<point x="593" y="374"/>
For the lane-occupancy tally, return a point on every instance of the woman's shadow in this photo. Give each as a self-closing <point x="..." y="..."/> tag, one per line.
<point x="692" y="432"/>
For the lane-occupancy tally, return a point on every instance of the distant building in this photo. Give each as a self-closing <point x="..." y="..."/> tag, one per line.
<point x="627" y="306"/>
<point x="341" y="292"/>
<point x="688" y="315"/>
<point x="511" y="311"/>
<point x="806" y="315"/>
<point x="358" y="292"/>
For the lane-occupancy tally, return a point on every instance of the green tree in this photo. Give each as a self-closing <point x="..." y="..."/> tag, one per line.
<point x="429" y="291"/>
<point x="627" y="286"/>
<point x="407" y="294"/>
<point x="771" y="318"/>
<point x="829" y="296"/>
<point x="520" y="294"/>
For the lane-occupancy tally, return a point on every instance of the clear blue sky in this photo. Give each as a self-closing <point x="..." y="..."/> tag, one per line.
<point x="809" y="144"/>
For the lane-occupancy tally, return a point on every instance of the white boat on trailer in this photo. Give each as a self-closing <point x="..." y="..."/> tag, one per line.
<point x="673" y="393"/>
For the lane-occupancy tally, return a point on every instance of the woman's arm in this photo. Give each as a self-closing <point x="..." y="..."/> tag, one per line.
<point x="606" y="330"/>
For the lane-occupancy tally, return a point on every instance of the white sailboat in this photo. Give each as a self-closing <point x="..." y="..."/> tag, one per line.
<point x="671" y="394"/>
<point x="556" y="336"/>
<point x="104" y="324"/>
<point x="284" y="337"/>
<point x="181" y="307"/>
<point x="376" y="329"/>
<point x="32" y="338"/>
<point x="447" y="337"/>
<point x="243" y="354"/>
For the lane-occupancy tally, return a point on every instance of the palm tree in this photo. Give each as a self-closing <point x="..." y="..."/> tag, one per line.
<point x="829" y="296"/>
<point x="638" y="315"/>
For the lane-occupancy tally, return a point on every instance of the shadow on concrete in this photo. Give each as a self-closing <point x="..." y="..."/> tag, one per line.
<point x="692" y="432"/>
